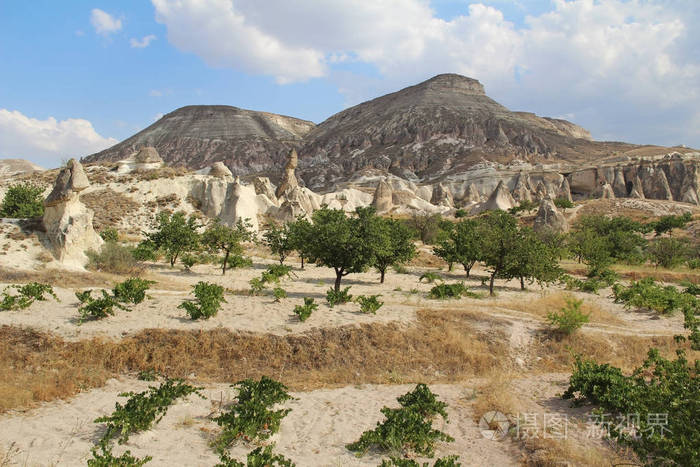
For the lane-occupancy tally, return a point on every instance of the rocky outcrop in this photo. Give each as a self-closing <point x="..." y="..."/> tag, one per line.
<point x="289" y="179"/>
<point x="605" y="191"/>
<point x="472" y="195"/>
<point x="383" y="197"/>
<point x="522" y="192"/>
<point x="442" y="196"/>
<point x="263" y="186"/>
<point x="564" y="190"/>
<point x="240" y="203"/>
<point x="637" y="190"/>
<point x="499" y="199"/>
<point x="219" y="170"/>
<point x="654" y="182"/>
<point x="549" y="218"/>
<point x="541" y="191"/>
<point x="147" y="158"/>
<point x="296" y="203"/>
<point x="619" y="186"/>
<point x="67" y="221"/>
<point x="148" y="155"/>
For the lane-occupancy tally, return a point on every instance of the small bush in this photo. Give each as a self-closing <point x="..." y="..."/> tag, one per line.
<point x="209" y="298"/>
<point x="132" y="290"/>
<point x="563" y="203"/>
<point x="114" y="258"/>
<point x="188" y="260"/>
<point x="445" y="291"/>
<point x="459" y="213"/>
<point x="145" y="251"/>
<point x="147" y="375"/>
<point x="97" y="308"/>
<point x="110" y="234"/>
<point x="252" y="417"/>
<point x="690" y="288"/>
<point x="275" y="272"/>
<point x="400" y="269"/>
<point x="144" y="409"/>
<point x="369" y="304"/>
<point x="429" y="277"/>
<point x="693" y="263"/>
<point x="26" y="295"/>
<point x="239" y="262"/>
<point x="279" y="293"/>
<point x="449" y="461"/>
<point x="23" y="200"/>
<point x="259" y="457"/>
<point x="105" y="458"/>
<point x="256" y="286"/>
<point x="570" y="318"/>
<point x="338" y="298"/>
<point x="645" y="293"/>
<point x="305" y="310"/>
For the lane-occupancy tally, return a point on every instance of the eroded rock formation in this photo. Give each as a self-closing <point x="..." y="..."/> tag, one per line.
<point x="549" y="218"/>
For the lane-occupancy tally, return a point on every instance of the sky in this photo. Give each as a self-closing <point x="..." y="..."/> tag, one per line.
<point x="78" y="76"/>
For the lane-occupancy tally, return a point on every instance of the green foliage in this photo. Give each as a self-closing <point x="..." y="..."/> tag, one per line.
<point x="174" y="235"/>
<point x="147" y="375"/>
<point x="499" y="239"/>
<point x="461" y="245"/>
<point x="427" y="226"/>
<point x="444" y="291"/>
<point x="668" y="252"/>
<point x="209" y="298"/>
<point x="275" y="272"/>
<point x="256" y="286"/>
<point x="460" y="213"/>
<point x="400" y="269"/>
<point x="97" y="308"/>
<point x="305" y="310"/>
<point x="105" y="458"/>
<point x="145" y="251"/>
<point x="690" y="288"/>
<point x="668" y="223"/>
<point x="188" y="260"/>
<point x="662" y="395"/>
<point x="645" y="293"/>
<point x="338" y="297"/>
<point x="132" y="290"/>
<point x="22" y="200"/>
<point x="570" y="318"/>
<point x="409" y="428"/>
<point x="144" y="409"/>
<point x="524" y="206"/>
<point x="252" y="417"/>
<point x="26" y="295"/>
<point x="429" y="277"/>
<point x="392" y="242"/>
<point x="590" y="284"/>
<point x="279" y="293"/>
<point x="114" y="258"/>
<point x="531" y="259"/>
<point x="278" y="240"/>
<point x="110" y="234"/>
<point x="449" y="461"/>
<point x="300" y="237"/>
<point x="563" y="203"/>
<point x="369" y="304"/>
<point x="222" y="238"/>
<point x="238" y="262"/>
<point x="259" y="457"/>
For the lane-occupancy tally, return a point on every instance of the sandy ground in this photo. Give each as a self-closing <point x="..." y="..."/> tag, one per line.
<point x="314" y="433"/>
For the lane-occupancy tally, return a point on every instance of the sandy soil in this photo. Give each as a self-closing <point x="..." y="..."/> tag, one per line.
<point x="313" y="434"/>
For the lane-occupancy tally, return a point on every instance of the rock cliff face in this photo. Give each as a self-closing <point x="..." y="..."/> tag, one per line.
<point x="199" y="135"/>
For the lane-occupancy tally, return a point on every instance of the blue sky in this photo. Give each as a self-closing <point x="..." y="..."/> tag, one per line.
<point x="78" y="76"/>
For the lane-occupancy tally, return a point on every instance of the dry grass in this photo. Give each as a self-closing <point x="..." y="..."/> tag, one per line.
<point x="441" y="347"/>
<point x="110" y="207"/>
<point x="56" y="276"/>
<point x="556" y="301"/>
<point x="497" y="393"/>
<point x="548" y="452"/>
<point x="636" y="272"/>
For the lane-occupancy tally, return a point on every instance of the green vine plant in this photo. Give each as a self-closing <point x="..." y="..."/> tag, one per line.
<point x="305" y="310"/>
<point x="260" y="457"/>
<point x="449" y="461"/>
<point x="132" y="290"/>
<point x="207" y="303"/>
<point x="408" y="429"/>
<point x="105" y="458"/>
<point x="91" y="308"/>
<point x="252" y="416"/>
<point x="369" y="304"/>
<point x="26" y="295"/>
<point x="338" y="298"/>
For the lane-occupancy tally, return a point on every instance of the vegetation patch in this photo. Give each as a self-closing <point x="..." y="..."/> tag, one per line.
<point x="304" y="311"/>
<point x="369" y="303"/>
<point x="208" y="300"/>
<point x="338" y="297"/>
<point x="25" y="296"/>
<point x="645" y="293"/>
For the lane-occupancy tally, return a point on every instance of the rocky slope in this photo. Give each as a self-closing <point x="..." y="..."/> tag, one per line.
<point x="196" y="136"/>
<point x="17" y="166"/>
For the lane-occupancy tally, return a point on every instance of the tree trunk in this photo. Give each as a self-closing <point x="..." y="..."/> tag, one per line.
<point x="172" y="260"/>
<point x="382" y="271"/>
<point x="449" y="266"/>
<point x="338" y="278"/>
<point x="522" y="283"/>
<point x="493" y="276"/>
<point x="468" y="268"/>
<point x="302" y="262"/>
<point x="225" y="263"/>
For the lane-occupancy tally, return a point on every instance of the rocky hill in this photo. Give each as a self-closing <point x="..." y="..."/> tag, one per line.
<point x="198" y="135"/>
<point x="17" y="166"/>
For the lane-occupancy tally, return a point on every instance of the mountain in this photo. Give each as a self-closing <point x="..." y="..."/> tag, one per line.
<point x="198" y="135"/>
<point x="17" y="166"/>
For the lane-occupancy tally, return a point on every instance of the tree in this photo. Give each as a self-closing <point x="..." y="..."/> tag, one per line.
<point x="499" y="236"/>
<point x="220" y="237"/>
<point x="668" y="223"/>
<point x="532" y="259"/>
<point x="668" y="252"/>
<point x="395" y="245"/>
<point x="300" y="232"/>
<point x="427" y="226"/>
<point x="278" y="239"/>
<point x="524" y="206"/>
<point x="174" y="235"/>
<point x="563" y="203"/>
<point x="336" y="241"/>
<point x="22" y="200"/>
<point x="461" y="245"/>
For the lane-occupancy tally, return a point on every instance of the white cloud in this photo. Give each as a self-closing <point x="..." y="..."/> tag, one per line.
<point x="158" y="116"/>
<point x="601" y="60"/>
<point x="143" y="43"/>
<point x="50" y="139"/>
<point x="104" y="23"/>
<point x="155" y="93"/>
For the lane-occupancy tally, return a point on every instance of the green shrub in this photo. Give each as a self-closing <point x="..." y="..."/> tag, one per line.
<point x="97" y="308"/>
<point x="279" y="293"/>
<point x="256" y="286"/>
<point x="275" y="272"/>
<point x="589" y="285"/>
<point x="188" y="260"/>
<point x="690" y="288"/>
<point x="252" y="417"/>
<point x="209" y="298"/>
<point x="369" y="304"/>
<point x="409" y="428"/>
<point x="657" y="404"/>
<point x="563" y="203"/>
<point x="668" y="252"/>
<point x="147" y="375"/>
<point x="26" y="295"/>
<point x="693" y="263"/>
<point x="459" y="213"/>
<point x="400" y="269"/>
<point x="144" y="409"/>
<point x="444" y="291"/>
<point x="145" y="251"/>
<point x="239" y="262"/>
<point x="110" y="234"/>
<point x="115" y="259"/>
<point x="449" y="461"/>
<point x="23" y="200"/>
<point x="305" y="310"/>
<point x="429" y="277"/>
<point x="105" y="458"/>
<point x="132" y="290"/>
<point x="337" y="298"/>
<point x="645" y="293"/>
<point x="259" y="457"/>
<point x="570" y="318"/>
